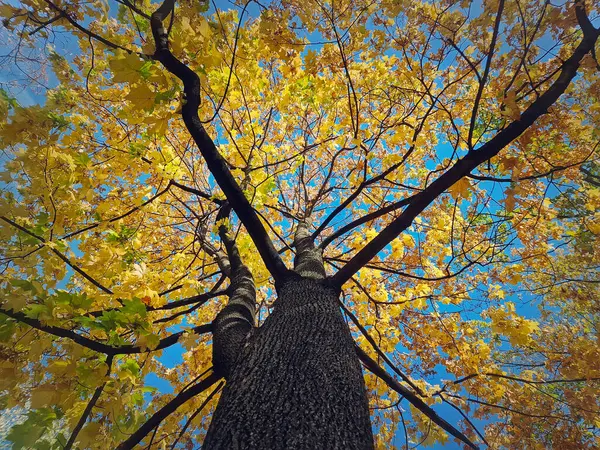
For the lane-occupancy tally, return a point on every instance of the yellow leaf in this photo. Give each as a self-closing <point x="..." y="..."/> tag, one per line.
<point x="408" y="240"/>
<point x="60" y="367"/>
<point x="148" y="341"/>
<point x="594" y="227"/>
<point x="141" y="96"/>
<point x="188" y="340"/>
<point x="8" y="375"/>
<point x="160" y="127"/>
<point x="512" y="109"/>
<point x="125" y="67"/>
<point x="204" y="28"/>
<point x="397" y="249"/>
<point x="15" y="302"/>
<point x="44" y="395"/>
<point x="460" y="189"/>
<point x="509" y="201"/>
<point x="88" y="438"/>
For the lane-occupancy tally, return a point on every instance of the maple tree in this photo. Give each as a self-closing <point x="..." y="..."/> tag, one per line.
<point x="354" y="217"/>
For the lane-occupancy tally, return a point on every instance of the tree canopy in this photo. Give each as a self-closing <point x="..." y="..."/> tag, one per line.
<point x="443" y="155"/>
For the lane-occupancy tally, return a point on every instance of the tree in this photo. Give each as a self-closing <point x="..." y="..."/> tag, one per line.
<point x="292" y="194"/>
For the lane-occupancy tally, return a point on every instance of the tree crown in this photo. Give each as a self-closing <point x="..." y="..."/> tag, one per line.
<point x="443" y="156"/>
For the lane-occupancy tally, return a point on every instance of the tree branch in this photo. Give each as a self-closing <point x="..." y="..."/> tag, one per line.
<point x="411" y="397"/>
<point x="367" y="218"/>
<point x="355" y="194"/>
<point x="471" y="160"/>
<point x="371" y="341"/>
<point x="486" y="72"/>
<point x="200" y="298"/>
<point x="122" y="216"/>
<point x="84" y="30"/>
<point x="215" y="162"/>
<point x="235" y="321"/>
<point x="166" y="410"/>
<point x="521" y="380"/>
<point x="197" y="192"/>
<point x="99" y="346"/>
<point x="88" y="408"/>
<point x="198" y="411"/>
<point x="60" y="255"/>
<point x="471" y="424"/>
<point x="133" y="8"/>
<point x="309" y="260"/>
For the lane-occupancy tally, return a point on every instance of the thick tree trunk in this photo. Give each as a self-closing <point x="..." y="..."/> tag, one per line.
<point x="297" y="383"/>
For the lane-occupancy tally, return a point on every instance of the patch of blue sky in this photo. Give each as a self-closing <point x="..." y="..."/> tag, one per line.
<point x="162" y="385"/>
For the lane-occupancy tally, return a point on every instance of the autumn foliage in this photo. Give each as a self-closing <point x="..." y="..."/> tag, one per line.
<point x="445" y="156"/>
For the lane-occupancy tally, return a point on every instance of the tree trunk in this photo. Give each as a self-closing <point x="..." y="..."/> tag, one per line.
<point x="297" y="383"/>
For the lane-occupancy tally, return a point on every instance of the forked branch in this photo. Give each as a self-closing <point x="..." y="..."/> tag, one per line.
<point x="215" y="162"/>
<point x="475" y="157"/>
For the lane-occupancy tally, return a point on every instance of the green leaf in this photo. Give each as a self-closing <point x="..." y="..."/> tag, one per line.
<point x="145" y="70"/>
<point x="26" y="285"/>
<point x="11" y="101"/>
<point x="7" y="328"/>
<point x="134" y="307"/>
<point x="27" y="434"/>
<point x="82" y="159"/>
<point x="166" y="96"/>
<point x="34" y="311"/>
<point x="59" y="122"/>
<point x="131" y="366"/>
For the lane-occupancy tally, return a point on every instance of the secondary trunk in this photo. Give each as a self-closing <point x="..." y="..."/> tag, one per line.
<point x="297" y="383"/>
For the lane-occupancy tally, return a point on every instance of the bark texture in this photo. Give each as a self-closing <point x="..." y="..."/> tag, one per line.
<point x="309" y="260"/>
<point x="233" y="324"/>
<point x="235" y="321"/>
<point x="297" y="383"/>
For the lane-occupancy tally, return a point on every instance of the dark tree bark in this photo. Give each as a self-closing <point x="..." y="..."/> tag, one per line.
<point x="296" y="382"/>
